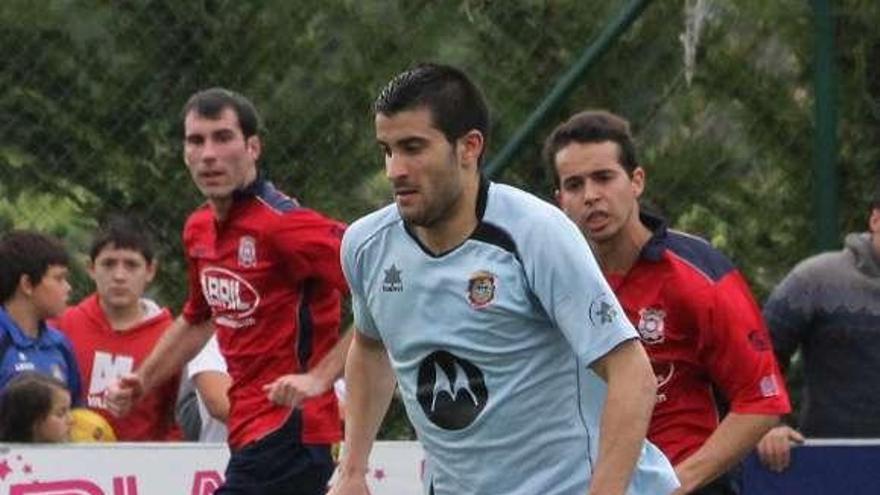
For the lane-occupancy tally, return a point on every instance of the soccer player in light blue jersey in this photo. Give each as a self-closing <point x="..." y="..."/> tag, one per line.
<point x="516" y="364"/>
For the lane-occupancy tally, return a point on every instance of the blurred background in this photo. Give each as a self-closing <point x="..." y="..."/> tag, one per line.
<point x="757" y="121"/>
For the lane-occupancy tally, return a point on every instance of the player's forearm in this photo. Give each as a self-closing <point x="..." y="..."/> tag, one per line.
<point x="213" y="387"/>
<point x="729" y="443"/>
<point x="369" y="383"/>
<point x="331" y="366"/>
<point x="631" y="394"/>
<point x="180" y="343"/>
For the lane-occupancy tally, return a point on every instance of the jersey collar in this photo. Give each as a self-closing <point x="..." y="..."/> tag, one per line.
<point x="21" y="340"/>
<point x="482" y="199"/>
<point x="251" y="190"/>
<point x="656" y="245"/>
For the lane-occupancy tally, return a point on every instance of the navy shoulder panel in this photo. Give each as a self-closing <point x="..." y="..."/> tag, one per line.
<point x="492" y="234"/>
<point x="698" y="253"/>
<point x="275" y="199"/>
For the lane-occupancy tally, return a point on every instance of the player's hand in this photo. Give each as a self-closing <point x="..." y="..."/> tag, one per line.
<point x="774" y="449"/>
<point x="122" y="394"/>
<point x="680" y="491"/>
<point x="291" y="390"/>
<point x="349" y="484"/>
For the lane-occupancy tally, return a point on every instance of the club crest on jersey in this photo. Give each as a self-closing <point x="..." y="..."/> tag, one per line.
<point x="651" y="325"/>
<point x="481" y="289"/>
<point x="247" y="252"/>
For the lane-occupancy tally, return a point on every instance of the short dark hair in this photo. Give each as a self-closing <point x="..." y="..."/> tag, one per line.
<point x="456" y="104"/>
<point x="123" y="233"/>
<point x="24" y="252"/>
<point x="211" y="102"/>
<point x="591" y="126"/>
<point x="25" y="401"/>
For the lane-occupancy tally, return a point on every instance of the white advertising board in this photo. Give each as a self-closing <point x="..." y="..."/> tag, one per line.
<point x="165" y="469"/>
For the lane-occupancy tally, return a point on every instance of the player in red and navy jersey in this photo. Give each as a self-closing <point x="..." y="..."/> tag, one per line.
<point x="694" y="312"/>
<point x="265" y="273"/>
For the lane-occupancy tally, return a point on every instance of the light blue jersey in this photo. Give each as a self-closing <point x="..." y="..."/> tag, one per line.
<point x="490" y="343"/>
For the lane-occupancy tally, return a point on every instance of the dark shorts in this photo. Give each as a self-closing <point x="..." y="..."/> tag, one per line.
<point x="726" y="484"/>
<point x="279" y="464"/>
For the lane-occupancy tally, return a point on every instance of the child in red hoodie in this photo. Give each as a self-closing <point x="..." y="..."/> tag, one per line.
<point x="115" y="328"/>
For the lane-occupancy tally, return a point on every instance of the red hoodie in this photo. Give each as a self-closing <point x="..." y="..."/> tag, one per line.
<point x="104" y="354"/>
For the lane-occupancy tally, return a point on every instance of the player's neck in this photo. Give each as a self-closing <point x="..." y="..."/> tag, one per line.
<point x="221" y="207"/>
<point x="457" y="226"/>
<point x="122" y="318"/>
<point x="22" y="313"/>
<point x="618" y="254"/>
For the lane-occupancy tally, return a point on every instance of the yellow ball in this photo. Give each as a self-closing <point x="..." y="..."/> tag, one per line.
<point x="89" y="426"/>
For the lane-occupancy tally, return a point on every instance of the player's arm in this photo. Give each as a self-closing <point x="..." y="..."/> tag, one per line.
<point x="370" y="384"/>
<point x="213" y="387"/>
<point x="632" y="390"/>
<point x="180" y="343"/>
<point x="291" y="389"/>
<point x="731" y="441"/>
<point x="736" y="350"/>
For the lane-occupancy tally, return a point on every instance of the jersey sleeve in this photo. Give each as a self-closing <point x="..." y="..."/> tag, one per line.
<point x="567" y="281"/>
<point x="363" y="320"/>
<point x="735" y="347"/>
<point x="788" y="314"/>
<point x="309" y="244"/>
<point x="208" y="359"/>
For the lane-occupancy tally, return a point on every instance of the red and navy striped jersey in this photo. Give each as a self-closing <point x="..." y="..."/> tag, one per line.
<point x="269" y="278"/>
<point x="704" y="334"/>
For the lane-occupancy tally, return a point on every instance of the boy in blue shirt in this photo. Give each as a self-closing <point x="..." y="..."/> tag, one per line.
<point x="33" y="288"/>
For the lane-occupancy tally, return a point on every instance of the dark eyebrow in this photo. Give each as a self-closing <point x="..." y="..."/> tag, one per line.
<point x="409" y="141"/>
<point x="223" y="132"/>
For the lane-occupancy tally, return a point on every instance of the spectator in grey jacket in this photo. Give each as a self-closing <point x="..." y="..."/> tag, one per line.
<point x="828" y="306"/>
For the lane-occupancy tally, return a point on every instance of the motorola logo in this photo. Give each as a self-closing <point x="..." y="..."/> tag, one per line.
<point x="452" y="391"/>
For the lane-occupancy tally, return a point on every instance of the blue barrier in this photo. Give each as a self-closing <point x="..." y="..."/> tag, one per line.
<point x="819" y="467"/>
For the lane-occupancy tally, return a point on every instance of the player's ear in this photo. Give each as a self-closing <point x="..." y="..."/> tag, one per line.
<point x="26" y="285"/>
<point x="638" y="181"/>
<point x="471" y="146"/>
<point x="254" y="147"/>
<point x="151" y="268"/>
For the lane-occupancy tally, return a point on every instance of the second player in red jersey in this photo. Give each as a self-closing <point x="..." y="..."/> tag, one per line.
<point x="694" y="312"/>
<point x="265" y="273"/>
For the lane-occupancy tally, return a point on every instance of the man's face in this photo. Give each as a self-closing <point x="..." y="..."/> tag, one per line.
<point x="424" y="169"/>
<point x="217" y="154"/>
<point x="595" y="190"/>
<point x="50" y="294"/>
<point x="121" y="276"/>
